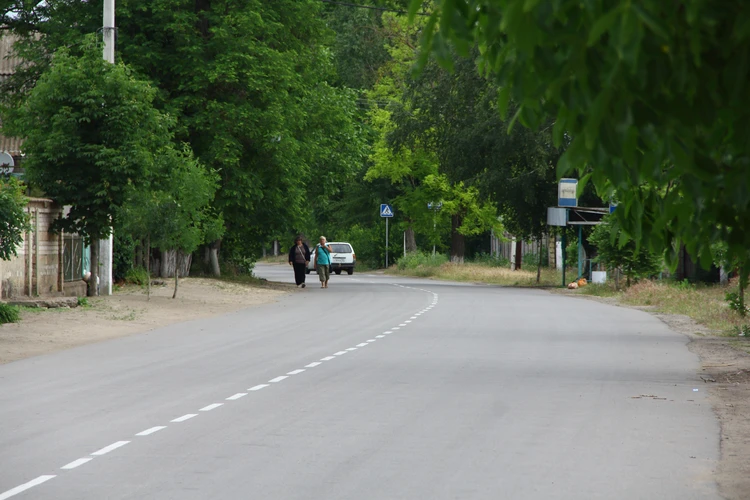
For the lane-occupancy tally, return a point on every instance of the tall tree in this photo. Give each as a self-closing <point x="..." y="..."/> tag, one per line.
<point x="250" y="85"/>
<point x="91" y="133"/>
<point x="655" y="96"/>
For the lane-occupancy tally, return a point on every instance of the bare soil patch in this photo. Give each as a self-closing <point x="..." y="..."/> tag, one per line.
<point x="126" y="312"/>
<point x="725" y="371"/>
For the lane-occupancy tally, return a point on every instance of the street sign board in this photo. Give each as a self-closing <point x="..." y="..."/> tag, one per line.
<point x="557" y="216"/>
<point x="434" y="206"/>
<point x="567" y="193"/>
<point x="386" y="210"/>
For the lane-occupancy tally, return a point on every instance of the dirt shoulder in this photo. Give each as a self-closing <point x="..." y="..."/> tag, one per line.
<point x="127" y="312"/>
<point x="725" y="371"/>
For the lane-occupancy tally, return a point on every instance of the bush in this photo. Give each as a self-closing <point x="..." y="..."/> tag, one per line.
<point x="8" y="314"/>
<point x="487" y="259"/>
<point x="137" y="276"/>
<point x="415" y="260"/>
<point x="532" y="259"/>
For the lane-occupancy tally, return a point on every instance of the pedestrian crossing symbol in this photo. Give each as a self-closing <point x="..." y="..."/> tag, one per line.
<point x="386" y="210"/>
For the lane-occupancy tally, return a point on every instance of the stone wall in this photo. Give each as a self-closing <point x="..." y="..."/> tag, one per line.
<point x="37" y="270"/>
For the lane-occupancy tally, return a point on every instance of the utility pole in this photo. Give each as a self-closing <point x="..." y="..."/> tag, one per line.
<point x="106" y="247"/>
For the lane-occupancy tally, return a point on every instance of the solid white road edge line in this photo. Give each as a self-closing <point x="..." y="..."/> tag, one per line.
<point x="112" y="447"/>
<point x="26" y="486"/>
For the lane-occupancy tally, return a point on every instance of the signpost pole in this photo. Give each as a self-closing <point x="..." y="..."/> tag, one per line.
<point x="564" y="243"/>
<point x="386" y="242"/>
<point x="580" y="251"/>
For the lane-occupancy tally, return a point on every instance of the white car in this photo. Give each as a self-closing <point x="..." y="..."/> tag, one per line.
<point x="342" y="258"/>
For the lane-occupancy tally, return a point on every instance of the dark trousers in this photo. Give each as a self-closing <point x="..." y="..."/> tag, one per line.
<point x="299" y="273"/>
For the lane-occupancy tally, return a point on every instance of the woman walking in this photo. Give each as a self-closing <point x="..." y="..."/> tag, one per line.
<point x="323" y="261"/>
<point x="299" y="257"/>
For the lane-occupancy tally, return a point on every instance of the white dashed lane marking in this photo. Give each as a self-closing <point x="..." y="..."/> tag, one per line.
<point x="185" y="417"/>
<point x="150" y="431"/>
<point x="119" y="444"/>
<point x="76" y="463"/>
<point x="20" y="489"/>
<point x="112" y="447"/>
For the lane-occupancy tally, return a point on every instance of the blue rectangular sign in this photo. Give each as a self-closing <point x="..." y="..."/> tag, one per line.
<point x="386" y="210"/>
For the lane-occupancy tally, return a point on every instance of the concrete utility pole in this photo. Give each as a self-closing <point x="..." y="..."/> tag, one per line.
<point x="106" y="247"/>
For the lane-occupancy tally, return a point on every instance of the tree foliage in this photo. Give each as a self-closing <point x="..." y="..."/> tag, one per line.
<point x="614" y="251"/>
<point x="91" y="133"/>
<point x="654" y="96"/>
<point x="13" y="218"/>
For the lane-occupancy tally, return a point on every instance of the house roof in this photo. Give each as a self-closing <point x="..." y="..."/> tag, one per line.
<point x="8" y="63"/>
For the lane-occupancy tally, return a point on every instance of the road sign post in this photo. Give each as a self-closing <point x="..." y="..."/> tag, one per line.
<point x="386" y="211"/>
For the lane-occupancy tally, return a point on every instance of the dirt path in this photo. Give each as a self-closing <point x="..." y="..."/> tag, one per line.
<point x="725" y="372"/>
<point x="126" y="312"/>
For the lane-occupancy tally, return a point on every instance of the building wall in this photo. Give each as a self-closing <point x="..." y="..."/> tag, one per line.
<point x="37" y="269"/>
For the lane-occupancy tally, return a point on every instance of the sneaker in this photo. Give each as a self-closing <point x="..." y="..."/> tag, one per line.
<point x="303" y="285"/>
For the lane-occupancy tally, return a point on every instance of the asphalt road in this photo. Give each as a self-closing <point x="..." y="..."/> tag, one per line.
<point x="377" y="388"/>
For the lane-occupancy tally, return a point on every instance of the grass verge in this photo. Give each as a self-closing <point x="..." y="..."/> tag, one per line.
<point x="477" y="272"/>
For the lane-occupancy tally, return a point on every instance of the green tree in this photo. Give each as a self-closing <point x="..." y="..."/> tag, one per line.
<point x="251" y="87"/>
<point x="13" y="218"/>
<point x="173" y="212"/>
<point x="653" y="95"/>
<point x="91" y="133"/>
<point x="616" y="251"/>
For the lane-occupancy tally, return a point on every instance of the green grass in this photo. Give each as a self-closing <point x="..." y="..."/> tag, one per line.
<point x="485" y="270"/>
<point x="705" y="304"/>
<point x="9" y="314"/>
<point x="600" y="290"/>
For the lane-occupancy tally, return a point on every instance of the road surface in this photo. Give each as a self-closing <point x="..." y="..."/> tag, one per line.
<point x="376" y="388"/>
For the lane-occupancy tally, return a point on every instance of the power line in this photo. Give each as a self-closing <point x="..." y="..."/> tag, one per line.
<point x="371" y="7"/>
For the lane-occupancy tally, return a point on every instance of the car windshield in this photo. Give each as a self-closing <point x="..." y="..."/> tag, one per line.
<point x="341" y="248"/>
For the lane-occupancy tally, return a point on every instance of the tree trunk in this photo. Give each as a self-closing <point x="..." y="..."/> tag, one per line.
<point x="213" y="253"/>
<point x="519" y="254"/>
<point x="742" y="282"/>
<point x="169" y="263"/>
<point x="176" y="273"/>
<point x="138" y="254"/>
<point x="539" y="265"/>
<point x="411" y="239"/>
<point x="276" y="248"/>
<point x="458" y="242"/>
<point x="148" y="267"/>
<point x="94" y="278"/>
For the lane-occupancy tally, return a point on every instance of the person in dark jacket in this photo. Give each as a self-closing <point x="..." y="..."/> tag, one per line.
<point x="299" y="257"/>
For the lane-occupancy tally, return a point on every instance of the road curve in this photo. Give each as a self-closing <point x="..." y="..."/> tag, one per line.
<point x="376" y="388"/>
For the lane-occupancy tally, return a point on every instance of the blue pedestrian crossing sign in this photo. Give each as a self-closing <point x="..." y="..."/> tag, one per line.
<point x="386" y="210"/>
